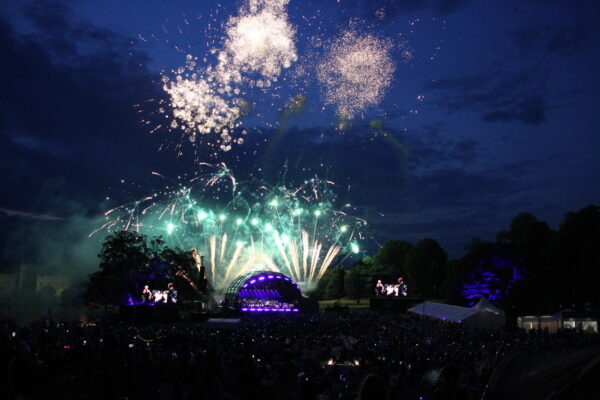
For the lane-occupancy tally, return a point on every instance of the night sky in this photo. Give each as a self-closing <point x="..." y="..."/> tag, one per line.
<point x="493" y="110"/>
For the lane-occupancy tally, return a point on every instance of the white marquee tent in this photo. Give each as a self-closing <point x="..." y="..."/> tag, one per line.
<point x="483" y="315"/>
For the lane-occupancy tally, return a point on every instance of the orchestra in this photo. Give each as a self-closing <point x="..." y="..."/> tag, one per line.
<point x="396" y="289"/>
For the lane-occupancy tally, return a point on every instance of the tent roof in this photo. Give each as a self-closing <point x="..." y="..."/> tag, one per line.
<point x="443" y="311"/>
<point x="485" y="305"/>
<point x="454" y="313"/>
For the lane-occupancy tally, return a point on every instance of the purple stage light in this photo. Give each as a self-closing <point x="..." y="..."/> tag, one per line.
<point x="254" y="295"/>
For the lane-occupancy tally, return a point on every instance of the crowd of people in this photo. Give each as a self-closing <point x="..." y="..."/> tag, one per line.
<point x="324" y="356"/>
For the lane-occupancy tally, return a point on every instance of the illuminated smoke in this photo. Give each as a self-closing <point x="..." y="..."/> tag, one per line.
<point x="355" y="72"/>
<point x="258" y="41"/>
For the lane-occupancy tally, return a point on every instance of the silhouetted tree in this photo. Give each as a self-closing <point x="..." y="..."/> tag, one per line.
<point x="391" y="258"/>
<point x="579" y="255"/>
<point x="530" y="268"/>
<point x="353" y="283"/>
<point x="127" y="262"/>
<point x="451" y="289"/>
<point x="562" y="268"/>
<point x="335" y="285"/>
<point x="426" y="264"/>
<point x="123" y="253"/>
<point x="530" y="238"/>
<point x="358" y="280"/>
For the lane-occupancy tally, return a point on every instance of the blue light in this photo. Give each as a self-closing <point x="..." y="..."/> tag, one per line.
<point x="493" y="278"/>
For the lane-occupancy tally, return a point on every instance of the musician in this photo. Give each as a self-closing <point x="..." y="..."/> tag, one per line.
<point x="403" y="287"/>
<point x="146" y="294"/>
<point x="391" y="290"/>
<point x="379" y="289"/>
<point x="171" y="293"/>
<point x="159" y="296"/>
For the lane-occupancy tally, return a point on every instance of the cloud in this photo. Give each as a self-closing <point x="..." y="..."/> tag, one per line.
<point x="392" y="7"/>
<point x="552" y="39"/>
<point x="67" y="106"/>
<point x="497" y="94"/>
<point x="425" y="182"/>
<point x="531" y="110"/>
<point x="67" y="38"/>
<point x="430" y="148"/>
<point x="68" y="131"/>
<point x="386" y="10"/>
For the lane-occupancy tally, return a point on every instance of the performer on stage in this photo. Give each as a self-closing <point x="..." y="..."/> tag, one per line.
<point x="379" y="287"/>
<point x="171" y="293"/>
<point x="403" y="287"/>
<point x="146" y="294"/>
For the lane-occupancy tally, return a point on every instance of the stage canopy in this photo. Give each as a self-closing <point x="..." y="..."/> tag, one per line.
<point x="483" y="315"/>
<point x="263" y="291"/>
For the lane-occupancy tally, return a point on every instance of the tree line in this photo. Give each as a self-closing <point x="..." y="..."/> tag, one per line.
<point x="529" y="268"/>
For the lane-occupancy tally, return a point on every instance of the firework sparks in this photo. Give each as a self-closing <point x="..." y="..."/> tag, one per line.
<point x="205" y="102"/>
<point x="253" y="50"/>
<point x="296" y="230"/>
<point x="258" y="41"/>
<point x="355" y="72"/>
<point x="200" y="106"/>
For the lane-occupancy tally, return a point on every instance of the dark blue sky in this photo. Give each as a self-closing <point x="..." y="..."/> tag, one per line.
<point x="508" y="120"/>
